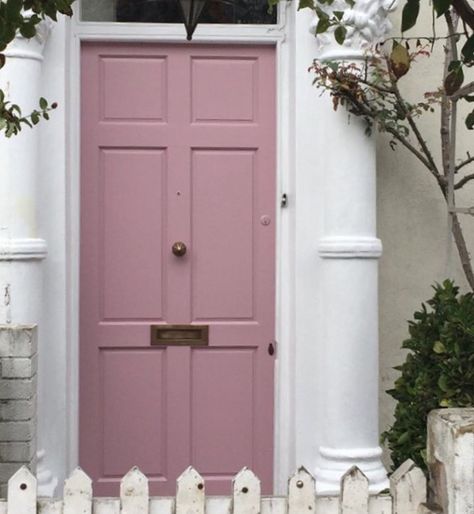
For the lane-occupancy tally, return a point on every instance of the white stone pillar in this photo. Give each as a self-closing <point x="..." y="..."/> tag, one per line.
<point x="21" y="248"/>
<point x="349" y="250"/>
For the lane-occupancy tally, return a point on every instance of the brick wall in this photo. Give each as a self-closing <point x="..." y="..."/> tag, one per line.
<point x="18" y="367"/>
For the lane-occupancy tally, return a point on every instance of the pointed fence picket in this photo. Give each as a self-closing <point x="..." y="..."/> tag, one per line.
<point x="408" y="495"/>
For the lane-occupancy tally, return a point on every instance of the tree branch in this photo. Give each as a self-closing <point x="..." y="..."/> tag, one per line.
<point x="464" y="181"/>
<point x="465" y="90"/>
<point x="365" y="110"/>
<point x="464" y="163"/>
<point x="432" y="165"/>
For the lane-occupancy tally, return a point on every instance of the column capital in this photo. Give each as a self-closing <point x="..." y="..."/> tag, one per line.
<point x="23" y="48"/>
<point x="367" y="23"/>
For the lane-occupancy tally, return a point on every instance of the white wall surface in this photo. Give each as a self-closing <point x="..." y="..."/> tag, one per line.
<point x="412" y="222"/>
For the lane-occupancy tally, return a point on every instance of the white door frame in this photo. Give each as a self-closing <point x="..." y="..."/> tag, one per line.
<point x="280" y="36"/>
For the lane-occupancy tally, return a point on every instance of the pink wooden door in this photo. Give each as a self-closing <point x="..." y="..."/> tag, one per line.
<point x="178" y="144"/>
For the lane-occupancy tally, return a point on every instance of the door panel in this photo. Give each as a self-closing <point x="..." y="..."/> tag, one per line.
<point x="178" y="144"/>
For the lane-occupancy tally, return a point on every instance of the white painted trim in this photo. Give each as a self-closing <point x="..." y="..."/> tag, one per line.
<point x="350" y="248"/>
<point x="24" y="54"/>
<point x="276" y="35"/>
<point x="22" y="249"/>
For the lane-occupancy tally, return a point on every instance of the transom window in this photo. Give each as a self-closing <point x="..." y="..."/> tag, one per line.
<point x="167" y="11"/>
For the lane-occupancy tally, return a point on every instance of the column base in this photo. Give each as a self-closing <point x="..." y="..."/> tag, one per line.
<point x="334" y="462"/>
<point x="47" y="482"/>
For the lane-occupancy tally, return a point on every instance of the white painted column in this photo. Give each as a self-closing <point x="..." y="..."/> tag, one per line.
<point x="21" y="249"/>
<point x="349" y="250"/>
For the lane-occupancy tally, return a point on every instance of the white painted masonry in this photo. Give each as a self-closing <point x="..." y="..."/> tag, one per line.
<point x="350" y="250"/>
<point x="18" y="398"/>
<point x="327" y="366"/>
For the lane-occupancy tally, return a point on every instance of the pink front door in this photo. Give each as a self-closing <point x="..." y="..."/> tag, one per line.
<point x="178" y="145"/>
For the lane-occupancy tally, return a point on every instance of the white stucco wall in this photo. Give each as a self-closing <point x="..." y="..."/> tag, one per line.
<point x="412" y="222"/>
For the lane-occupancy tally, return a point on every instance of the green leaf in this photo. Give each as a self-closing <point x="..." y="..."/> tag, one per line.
<point x="443" y="383"/>
<point x="399" y="60"/>
<point x="410" y="14"/>
<point x="305" y="4"/>
<point x="403" y="438"/>
<point x="467" y="50"/>
<point x="439" y="347"/>
<point x="454" y="78"/>
<point x="43" y="103"/>
<point x="28" y="30"/>
<point x="323" y="25"/>
<point x="340" y="34"/>
<point x="470" y="121"/>
<point x="441" y="6"/>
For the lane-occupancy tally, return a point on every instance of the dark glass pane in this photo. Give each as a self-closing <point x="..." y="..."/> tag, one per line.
<point x="216" y="11"/>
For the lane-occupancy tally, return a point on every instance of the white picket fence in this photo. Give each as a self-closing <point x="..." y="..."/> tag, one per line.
<point x="407" y="494"/>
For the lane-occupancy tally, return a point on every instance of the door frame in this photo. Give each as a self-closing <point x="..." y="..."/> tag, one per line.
<point x="280" y="37"/>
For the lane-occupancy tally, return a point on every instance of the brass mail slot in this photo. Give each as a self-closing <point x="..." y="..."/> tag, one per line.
<point x="179" y="335"/>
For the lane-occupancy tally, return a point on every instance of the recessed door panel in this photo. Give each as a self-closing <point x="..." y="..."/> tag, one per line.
<point x="223" y="217"/>
<point x="177" y="230"/>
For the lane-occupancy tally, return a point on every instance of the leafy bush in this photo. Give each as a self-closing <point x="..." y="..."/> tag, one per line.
<point x="438" y="372"/>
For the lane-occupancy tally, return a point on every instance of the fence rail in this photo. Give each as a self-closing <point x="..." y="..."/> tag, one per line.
<point x="407" y="493"/>
<point x="450" y="455"/>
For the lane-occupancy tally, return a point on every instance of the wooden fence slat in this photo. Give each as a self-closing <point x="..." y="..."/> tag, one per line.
<point x="190" y="493"/>
<point x="106" y="506"/>
<point x="301" y="493"/>
<point x="246" y="492"/>
<point x="22" y="492"/>
<point x="77" y="493"/>
<point x="408" y="488"/>
<point x="134" y="498"/>
<point x="49" y="506"/>
<point x="354" y="492"/>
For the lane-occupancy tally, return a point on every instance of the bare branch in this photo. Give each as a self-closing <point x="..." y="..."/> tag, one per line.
<point x="464" y="181"/>
<point x="464" y="163"/>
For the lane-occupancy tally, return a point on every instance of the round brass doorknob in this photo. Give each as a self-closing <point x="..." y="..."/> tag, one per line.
<point x="179" y="249"/>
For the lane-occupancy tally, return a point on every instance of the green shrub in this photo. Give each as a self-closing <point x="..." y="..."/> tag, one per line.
<point x="438" y="372"/>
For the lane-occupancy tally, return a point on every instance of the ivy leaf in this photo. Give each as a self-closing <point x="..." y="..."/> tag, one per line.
<point x="410" y="14"/>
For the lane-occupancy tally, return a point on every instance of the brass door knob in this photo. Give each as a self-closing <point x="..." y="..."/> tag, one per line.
<point x="179" y="249"/>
